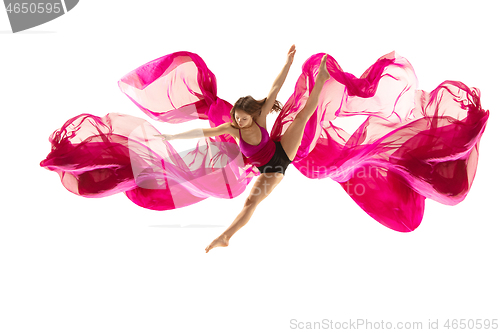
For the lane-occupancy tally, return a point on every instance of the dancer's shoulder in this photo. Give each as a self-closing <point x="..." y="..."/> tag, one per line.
<point x="261" y="120"/>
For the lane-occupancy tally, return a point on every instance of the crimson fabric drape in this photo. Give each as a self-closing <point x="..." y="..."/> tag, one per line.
<point x="411" y="146"/>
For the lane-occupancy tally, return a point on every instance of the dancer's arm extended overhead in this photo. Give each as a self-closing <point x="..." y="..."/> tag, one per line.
<point x="278" y="83"/>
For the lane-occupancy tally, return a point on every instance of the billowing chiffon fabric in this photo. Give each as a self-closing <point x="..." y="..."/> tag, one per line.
<point x="411" y="146"/>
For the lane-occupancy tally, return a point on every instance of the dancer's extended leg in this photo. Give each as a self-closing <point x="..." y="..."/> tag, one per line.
<point x="262" y="187"/>
<point x="293" y="135"/>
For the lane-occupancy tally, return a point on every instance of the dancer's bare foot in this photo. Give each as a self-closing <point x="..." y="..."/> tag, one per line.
<point x="222" y="240"/>
<point x="323" y="74"/>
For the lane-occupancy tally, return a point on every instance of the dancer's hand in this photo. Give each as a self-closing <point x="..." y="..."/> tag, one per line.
<point x="291" y="53"/>
<point x="166" y="137"/>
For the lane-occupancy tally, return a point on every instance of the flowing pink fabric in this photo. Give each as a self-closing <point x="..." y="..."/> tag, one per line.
<point x="413" y="144"/>
<point x="97" y="157"/>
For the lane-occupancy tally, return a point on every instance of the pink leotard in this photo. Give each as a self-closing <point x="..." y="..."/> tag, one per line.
<point x="258" y="154"/>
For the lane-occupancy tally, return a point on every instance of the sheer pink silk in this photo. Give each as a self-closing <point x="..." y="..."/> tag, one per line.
<point x="413" y="144"/>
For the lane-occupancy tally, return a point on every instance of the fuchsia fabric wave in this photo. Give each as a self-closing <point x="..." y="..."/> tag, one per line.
<point x="410" y="146"/>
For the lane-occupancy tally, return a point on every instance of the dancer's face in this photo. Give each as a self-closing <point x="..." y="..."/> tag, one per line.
<point x="242" y="118"/>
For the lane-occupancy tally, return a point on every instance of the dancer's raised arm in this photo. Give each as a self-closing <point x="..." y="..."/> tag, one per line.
<point x="198" y="133"/>
<point x="278" y="83"/>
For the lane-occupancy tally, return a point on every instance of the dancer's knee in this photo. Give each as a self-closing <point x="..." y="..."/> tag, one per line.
<point x="251" y="202"/>
<point x="303" y="116"/>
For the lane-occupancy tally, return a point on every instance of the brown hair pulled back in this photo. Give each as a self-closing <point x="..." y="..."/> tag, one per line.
<point x="251" y="106"/>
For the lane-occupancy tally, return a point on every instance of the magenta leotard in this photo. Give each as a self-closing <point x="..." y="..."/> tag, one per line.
<point x="258" y="154"/>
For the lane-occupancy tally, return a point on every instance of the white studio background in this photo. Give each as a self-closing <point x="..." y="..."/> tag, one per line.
<point x="71" y="264"/>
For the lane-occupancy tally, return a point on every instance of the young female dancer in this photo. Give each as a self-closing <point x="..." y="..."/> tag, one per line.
<point x="248" y="127"/>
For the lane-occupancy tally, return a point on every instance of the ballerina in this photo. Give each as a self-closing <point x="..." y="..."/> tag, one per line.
<point x="248" y="127"/>
<point x="414" y="144"/>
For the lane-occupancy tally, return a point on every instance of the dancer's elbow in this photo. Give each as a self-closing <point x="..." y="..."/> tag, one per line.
<point x="215" y="131"/>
